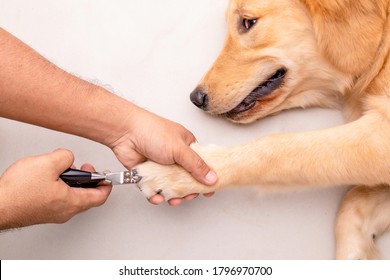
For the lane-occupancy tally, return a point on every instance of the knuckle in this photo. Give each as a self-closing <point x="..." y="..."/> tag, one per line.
<point x="178" y="154"/>
<point x="190" y="138"/>
<point x="201" y="165"/>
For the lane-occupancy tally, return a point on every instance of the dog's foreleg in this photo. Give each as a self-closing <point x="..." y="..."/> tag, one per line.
<point x="363" y="217"/>
<point x="356" y="153"/>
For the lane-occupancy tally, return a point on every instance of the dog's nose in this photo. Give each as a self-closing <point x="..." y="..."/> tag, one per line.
<point x="199" y="98"/>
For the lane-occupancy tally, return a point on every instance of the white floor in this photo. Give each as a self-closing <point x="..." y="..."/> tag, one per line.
<point x="153" y="53"/>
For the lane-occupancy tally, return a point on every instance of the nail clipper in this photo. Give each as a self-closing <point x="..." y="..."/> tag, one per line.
<point x="85" y="179"/>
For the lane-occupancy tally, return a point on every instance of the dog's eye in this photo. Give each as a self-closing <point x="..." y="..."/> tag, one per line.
<point x="248" y="23"/>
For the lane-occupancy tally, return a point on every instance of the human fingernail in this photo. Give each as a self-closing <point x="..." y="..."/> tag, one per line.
<point x="211" y="178"/>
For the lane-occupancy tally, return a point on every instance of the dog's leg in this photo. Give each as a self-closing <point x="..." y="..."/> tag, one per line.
<point x="362" y="218"/>
<point x="353" y="154"/>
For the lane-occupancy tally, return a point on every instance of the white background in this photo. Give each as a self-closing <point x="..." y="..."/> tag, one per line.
<point x="154" y="53"/>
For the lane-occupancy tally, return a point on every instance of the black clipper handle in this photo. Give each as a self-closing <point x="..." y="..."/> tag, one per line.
<point x="79" y="178"/>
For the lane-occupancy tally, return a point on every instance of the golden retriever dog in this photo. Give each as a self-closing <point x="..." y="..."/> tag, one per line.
<point x="282" y="54"/>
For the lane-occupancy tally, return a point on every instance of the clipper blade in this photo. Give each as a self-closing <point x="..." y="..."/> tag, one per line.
<point x="124" y="177"/>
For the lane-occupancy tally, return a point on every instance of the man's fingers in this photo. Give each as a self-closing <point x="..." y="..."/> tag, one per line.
<point x="93" y="197"/>
<point x="210" y="194"/>
<point x="196" y="166"/>
<point x="85" y="198"/>
<point x="157" y="199"/>
<point x="61" y="159"/>
<point x="88" y="167"/>
<point x="175" y="201"/>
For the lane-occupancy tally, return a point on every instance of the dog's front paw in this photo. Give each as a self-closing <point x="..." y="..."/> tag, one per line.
<point x="171" y="181"/>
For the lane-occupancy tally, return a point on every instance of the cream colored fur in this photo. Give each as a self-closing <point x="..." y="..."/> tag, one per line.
<point x="336" y="53"/>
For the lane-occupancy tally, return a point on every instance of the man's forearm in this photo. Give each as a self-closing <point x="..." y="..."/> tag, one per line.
<point x="35" y="91"/>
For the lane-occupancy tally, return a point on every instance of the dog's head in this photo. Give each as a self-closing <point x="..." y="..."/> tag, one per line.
<point x="270" y="62"/>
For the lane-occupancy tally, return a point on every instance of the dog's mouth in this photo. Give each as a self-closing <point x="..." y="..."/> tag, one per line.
<point x="261" y="91"/>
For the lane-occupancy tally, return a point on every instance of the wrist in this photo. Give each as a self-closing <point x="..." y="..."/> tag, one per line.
<point x="118" y="121"/>
<point x="103" y="116"/>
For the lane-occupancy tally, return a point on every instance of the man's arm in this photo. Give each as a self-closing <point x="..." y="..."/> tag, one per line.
<point x="35" y="91"/>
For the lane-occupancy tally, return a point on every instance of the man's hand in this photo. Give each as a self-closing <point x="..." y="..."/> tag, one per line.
<point x="162" y="141"/>
<point x="32" y="193"/>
